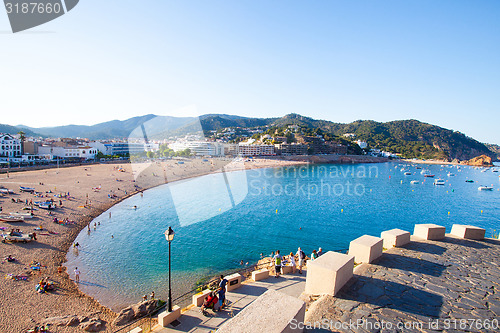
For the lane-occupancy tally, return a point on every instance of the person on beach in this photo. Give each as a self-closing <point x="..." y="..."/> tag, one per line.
<point x="77" y="275"/>
<point x="152" y="295"/>
<point x="301" y="257"/>
<point x="144" y="298"/>
<point x="320" y="252"/>
<point x="277" y="263"/>
<point x="292" y="262"/>
<point x="221" y="291"/>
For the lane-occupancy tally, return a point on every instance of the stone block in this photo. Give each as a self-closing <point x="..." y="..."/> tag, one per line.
<point x="271" y="312"/>
<point x="136" y="330"/>
<point x="429" y="231"/>
<point x="395" y="238"/>
<point x="199" y="298"/>
<point x="467" y="231"/>
<point x="233" y="281"/>
<point x="286" y="269"/>
<point x="329" y="273"/>
<point x="166" y="317"/>
<point x="366" y="249"/>
<point x="261" y="274"/>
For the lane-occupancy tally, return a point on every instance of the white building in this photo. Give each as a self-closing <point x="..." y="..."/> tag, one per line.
<point x="362" y="144"/>
<point x="68" y="152"/>
<point x="199" y="148"/>
<point x="9" y="146"/>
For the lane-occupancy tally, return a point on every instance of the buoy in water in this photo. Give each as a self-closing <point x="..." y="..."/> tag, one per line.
<point x="276" y="211"/>
<point x="342" y="210"/>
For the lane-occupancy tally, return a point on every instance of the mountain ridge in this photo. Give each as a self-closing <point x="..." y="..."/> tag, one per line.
<point x="409" y="137"/>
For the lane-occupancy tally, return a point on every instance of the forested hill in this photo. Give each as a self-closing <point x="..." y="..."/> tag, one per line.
<point x="411" y="138"/>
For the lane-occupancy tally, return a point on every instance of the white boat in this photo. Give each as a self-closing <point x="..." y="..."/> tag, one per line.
<point x="485" y="188"/>
<point x="439" y="182"/>
<point x="407" y="173"/>
<point x="23" y="215"/>
<point x="414" y="182"/>
<point x="46" y="205"/>
<point x="450" y="174"/>
<point x="425" y="172"/>
<point x="6" y="191"/>
<point x="8" y="218"/>
<point x="26" y="189"/>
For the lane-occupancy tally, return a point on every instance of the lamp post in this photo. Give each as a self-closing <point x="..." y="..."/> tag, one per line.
<point x="169" y="235"/>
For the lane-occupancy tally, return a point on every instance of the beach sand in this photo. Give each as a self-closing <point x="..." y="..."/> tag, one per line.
<point x="89" y="188"/>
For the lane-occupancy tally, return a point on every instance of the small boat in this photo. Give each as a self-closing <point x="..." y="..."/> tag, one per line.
<point x="29" y="208"/>
<point x="46" y="205"/>
<point x="495" y="170"/>
<point x="6" y="191"/>
<point x="439" y="182"/>
<point x="485" y="188"/>
<point x="469" y="181"/>
<point x="419" y="168"/>
<point x="407" y="173"/>
<point x="23" y="215"/>
<point x="8" y="218"/>
<point x="414" y="182"/>
<point x="26" y="189"/>
<point x="450" y="174"/>
<point x="425" y="172"/>
<point x="429" y="176"/>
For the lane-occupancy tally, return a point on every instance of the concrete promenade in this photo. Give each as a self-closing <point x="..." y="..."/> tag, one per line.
<point x="428" y="286"/>
<point x="451" y="285"/>
<point x="194" y="321"/>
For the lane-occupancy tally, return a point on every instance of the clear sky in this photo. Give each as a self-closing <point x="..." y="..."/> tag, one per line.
<point x="435" y="61"/>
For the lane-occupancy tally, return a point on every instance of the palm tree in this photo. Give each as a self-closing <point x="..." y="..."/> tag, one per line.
<point x="22" y="137"/>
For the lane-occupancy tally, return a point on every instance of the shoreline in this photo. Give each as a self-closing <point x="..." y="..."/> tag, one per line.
<point x="73" y="298"/>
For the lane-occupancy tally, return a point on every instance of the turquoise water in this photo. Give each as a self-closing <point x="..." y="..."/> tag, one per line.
<point x="219" y="221"/>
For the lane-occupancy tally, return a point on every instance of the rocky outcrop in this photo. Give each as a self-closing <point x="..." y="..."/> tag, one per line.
<point x="135" y="311"/>
<point x="92" y="324"/>
<point x="63" y="321"/>
<point x="483" y="160"/>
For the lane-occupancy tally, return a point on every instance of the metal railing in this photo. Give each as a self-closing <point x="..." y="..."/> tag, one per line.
<point x="147" y="322"/>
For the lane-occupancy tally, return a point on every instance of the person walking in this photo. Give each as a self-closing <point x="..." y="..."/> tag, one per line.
<point x="277" y="263"/>
<point x="77" y="275"/>
<point x="301" y="257"/>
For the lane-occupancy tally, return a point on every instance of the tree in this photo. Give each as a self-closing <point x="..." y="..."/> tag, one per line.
<point x="22" y="137"/>
<point x="150" y="154"/>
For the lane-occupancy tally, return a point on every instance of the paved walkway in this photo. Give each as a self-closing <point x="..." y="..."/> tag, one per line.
<point x="428" y="286"/>
<point x="193" y="321"/>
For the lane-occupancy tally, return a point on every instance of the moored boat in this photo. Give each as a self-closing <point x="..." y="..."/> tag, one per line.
<point x="23" y="215"/>
<point x="485" y="188"/>
<point x="414" y="182"/>
<point x="26" y="189"/>
<point x="469" y="181"/>
<point x="429" y="176"/>
<point x="8" y="218"/>
<point x="439" y="182"/>
<point x="6" y="191"/>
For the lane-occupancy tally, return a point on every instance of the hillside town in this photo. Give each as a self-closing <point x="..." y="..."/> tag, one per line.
<point x="17" y="149"/>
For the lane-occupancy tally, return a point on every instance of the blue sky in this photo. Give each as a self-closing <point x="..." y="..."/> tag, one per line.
<point x="435" y="61"/>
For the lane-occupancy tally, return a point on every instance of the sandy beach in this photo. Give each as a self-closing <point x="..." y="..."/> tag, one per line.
<point x="92" y="189"/>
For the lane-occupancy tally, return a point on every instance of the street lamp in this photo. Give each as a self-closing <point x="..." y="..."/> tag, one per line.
<point x="169" y="235"/>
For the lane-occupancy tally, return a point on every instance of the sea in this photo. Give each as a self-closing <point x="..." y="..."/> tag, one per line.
<point x="226" y="221"/>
